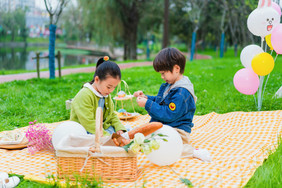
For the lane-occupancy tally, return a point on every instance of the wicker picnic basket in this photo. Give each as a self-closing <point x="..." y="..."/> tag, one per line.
<point x="108" y="169"/>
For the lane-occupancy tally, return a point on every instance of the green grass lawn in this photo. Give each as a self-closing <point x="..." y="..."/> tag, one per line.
<point x="44" y="100"/>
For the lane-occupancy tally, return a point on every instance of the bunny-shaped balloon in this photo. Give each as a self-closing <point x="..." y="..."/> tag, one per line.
<point x="263" y="19"/>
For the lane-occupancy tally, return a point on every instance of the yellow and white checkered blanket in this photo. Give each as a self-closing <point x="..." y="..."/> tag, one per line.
<point x="238" y="142"/>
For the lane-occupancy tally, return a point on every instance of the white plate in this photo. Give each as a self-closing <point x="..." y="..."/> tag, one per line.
<point x="21" y="145"/>
<point x="128" y="117"/>
<point x="123" y="98"/>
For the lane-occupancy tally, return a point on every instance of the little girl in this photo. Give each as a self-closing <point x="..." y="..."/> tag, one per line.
<point x="83" y="108"/>
<point x="97" y="93"/>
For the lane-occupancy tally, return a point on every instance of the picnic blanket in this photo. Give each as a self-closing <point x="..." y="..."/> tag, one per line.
<point x="238" y="141"/>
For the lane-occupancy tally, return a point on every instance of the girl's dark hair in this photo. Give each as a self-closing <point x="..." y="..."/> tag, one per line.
<point x="105" y="68"/>
<point x="167" y="58"/>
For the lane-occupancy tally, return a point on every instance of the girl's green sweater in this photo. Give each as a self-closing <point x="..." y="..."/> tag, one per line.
<point x="83" y="111"/>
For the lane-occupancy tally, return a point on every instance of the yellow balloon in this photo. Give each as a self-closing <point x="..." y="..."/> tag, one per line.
<point x="263" y="64"/>
<point x="268" y="41"/>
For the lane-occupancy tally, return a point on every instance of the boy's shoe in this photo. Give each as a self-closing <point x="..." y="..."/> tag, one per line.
<point x="10" y="182"/>
<point x="202" y="154"/>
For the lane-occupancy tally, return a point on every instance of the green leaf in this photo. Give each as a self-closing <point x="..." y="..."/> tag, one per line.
<point x="162" y="135"/>
<point x="165" y="140"/>
<point x="146" y="141"/>
<point x="126" y="147"/>
<point x="186" y="182"/>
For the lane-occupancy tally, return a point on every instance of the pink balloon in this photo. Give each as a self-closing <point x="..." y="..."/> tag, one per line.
<point x="276" y="39"/>
<point x="276" y="7"/>
<point x="246" y="81"/>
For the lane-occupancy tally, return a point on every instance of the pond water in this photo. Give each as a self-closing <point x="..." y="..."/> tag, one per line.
<point x="21" y="59"/>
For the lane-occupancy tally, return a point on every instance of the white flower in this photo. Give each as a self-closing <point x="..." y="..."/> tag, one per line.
<point x="154" y="144"/>
<point x="146" y="149"/>
<point x="135" y="148"/>
<point x="139" y="138"/>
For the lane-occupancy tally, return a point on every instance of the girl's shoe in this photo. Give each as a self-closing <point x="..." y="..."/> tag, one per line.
<point x="10" y="182"/>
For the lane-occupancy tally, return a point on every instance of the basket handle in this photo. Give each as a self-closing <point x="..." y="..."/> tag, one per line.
<point x="99" y="128"/>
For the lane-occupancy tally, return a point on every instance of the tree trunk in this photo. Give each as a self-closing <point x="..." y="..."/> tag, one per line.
<point x="193" y="45"/>
<point x="130" y="26"/>
<point x="166" y="21"/>
<point x="125" y="52"/>
<point x="52" y="39"/>
<point x="130" y="42"/>
<point x="222" y="45"/>
<point x="133" y="43"/>
<point x="235" y="49"/>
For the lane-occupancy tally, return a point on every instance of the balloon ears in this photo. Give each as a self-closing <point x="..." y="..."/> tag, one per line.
<point x="264" y="3"/>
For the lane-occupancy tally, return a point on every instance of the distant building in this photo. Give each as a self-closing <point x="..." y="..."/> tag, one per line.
<point x="37" y="19"/>
<point x="11" y="5"/>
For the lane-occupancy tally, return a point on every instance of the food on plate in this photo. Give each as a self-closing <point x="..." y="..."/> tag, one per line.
<point x="123" y="113"/>
<point x="121" y="94"/>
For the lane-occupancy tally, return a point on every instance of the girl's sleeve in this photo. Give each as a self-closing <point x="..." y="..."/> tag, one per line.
<point x="84" y="111"/>
<point x="167" y="113"/>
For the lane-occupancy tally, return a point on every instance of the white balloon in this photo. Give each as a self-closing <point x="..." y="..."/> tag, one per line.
<point x="66" y="128"/>
<point x="170" y="151"/>
<point x="262" y="21"/>
<point x="248" y="53"/>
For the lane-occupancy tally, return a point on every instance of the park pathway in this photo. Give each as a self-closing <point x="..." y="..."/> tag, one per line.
<point x="45" y="74"/>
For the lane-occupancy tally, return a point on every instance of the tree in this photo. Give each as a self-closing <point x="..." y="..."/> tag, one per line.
<point x="130" y="13"/>
<point x="223" y="5"/>
<point x="72" y="20"/>
<point x="13" y="22"/>
<point x="116" y="21"/>
<point x="195" y="12"/>
<point x="54" y="17"/>
<point x="166" y="21"/>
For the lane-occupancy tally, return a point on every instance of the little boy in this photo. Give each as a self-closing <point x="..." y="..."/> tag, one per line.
<point x="175" y="103"/>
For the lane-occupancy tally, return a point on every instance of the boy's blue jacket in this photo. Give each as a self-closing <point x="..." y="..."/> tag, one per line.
<point x="174" y="105"/>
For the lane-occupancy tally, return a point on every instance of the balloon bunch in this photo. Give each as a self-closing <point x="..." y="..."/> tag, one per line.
<point x="264" y="22"/>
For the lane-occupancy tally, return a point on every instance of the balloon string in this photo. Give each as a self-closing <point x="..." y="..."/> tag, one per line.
<point x="259" y="101"/>
<point x="268" y="77"/>
<point x="174" y="171"/>
<point x="265" y="48"/>
<point x="275" y="58"/>
<point x="260" y="92"/>
<point x="271" y="52"/>
<point x="265" y="85"/>
<point x="255" y="99"/>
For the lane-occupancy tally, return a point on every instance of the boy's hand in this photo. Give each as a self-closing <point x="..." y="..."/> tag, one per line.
<point x="120" y="132"/>
<point x="138" y="94"/>
<point x="141" y="101"/>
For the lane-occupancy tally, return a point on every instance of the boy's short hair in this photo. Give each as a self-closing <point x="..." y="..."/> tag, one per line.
<point x="167" y="58"/>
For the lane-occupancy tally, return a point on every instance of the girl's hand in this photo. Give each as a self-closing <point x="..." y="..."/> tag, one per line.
<point x="138" y="94"/>
<point x="141" y="101"/>
<point x="119" y="132"/>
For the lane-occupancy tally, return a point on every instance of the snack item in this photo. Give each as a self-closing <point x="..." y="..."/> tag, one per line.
<point x="121" y="110"/>
<point x="121" y="94"/>
<point x="123" y="113"/>
<point x="11" y="137"/>
<point x="145" y="129"/>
